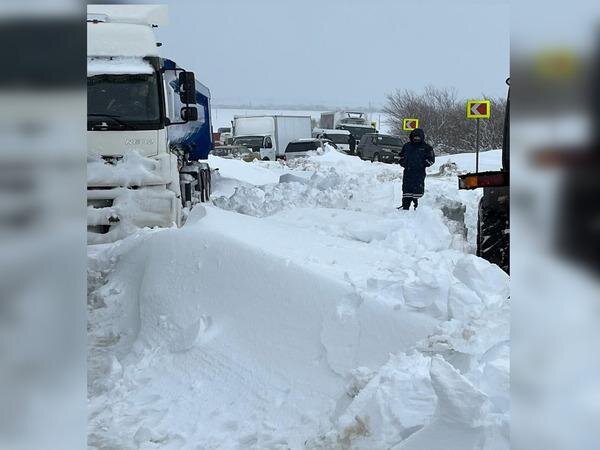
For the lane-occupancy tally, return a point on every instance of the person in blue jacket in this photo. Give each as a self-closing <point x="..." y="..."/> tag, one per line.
<point x="415" y="156"/>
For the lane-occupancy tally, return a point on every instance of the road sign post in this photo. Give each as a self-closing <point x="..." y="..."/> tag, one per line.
<point x="478" y="109"/>
<point x="477" y="149"/>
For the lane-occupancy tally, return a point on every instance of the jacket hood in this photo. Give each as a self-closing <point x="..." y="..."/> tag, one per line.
<point x="417" y="132"/>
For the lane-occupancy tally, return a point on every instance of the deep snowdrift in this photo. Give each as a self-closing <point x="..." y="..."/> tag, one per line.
<point x="319" y="317"/>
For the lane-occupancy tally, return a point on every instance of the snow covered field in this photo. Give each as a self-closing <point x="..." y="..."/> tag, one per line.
<point x="302" y="310"/>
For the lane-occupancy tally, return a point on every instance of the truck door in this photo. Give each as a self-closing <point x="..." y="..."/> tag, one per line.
<point x="268" y="151"/>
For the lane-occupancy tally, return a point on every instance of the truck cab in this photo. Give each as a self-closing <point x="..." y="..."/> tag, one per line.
<point x="354" y="122"/>
<point x="134" y="97"/>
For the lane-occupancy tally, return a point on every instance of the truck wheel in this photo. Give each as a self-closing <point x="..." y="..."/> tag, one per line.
<point x="201" y="184"/>
<point x="266" y="159"/>
<point x="209" y="178"/>
<point x="493" y="235"/>
<point x="204" y="185"/>
<point x="376" y="157"/>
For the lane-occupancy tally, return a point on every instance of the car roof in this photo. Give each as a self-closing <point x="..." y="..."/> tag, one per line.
<point x="306" y="140"/>
<point x="330" y="131"/>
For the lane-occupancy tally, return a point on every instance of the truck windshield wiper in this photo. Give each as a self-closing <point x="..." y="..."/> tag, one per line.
<point x="114" y="118"/>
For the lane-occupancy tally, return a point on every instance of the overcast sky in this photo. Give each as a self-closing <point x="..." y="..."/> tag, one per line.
<point x="339" y="52"/>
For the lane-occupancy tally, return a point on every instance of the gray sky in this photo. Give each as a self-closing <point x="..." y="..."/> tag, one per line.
<point x="339" y="52"/>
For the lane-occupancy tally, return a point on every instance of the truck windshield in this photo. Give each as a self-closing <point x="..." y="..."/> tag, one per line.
<point x="249" y="141"/>
<point x="123" y="102"/>
<point x="354" y="120"/>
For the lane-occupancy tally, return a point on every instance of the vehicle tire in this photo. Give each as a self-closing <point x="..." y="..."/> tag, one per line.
<point x="376" y="157"/>
<point x="209" y="187"/>
<point x="204" y="185"/>
<point x="493" y="227"/>
<point x="201" y="182"/>
<point x="266" y="159"/>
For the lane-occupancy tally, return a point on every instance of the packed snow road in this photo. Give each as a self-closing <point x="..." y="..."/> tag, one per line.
<point x="302" y="310"/>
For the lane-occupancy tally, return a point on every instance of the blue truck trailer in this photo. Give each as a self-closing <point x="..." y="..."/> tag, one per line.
<point x="192" y="142"/>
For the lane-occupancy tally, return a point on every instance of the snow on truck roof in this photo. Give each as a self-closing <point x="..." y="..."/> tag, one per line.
<point x="120" y="39"/>
<point x="344" y="112"/>
<point x="124" y="30"/>
<point x="118" y="66"/>
<point x="133" y="14"/>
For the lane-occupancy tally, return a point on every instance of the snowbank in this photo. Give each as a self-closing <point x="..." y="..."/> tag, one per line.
<point x="451" y="392"/>
<point x="320" y="317"/>
<point x="465" y="162"/>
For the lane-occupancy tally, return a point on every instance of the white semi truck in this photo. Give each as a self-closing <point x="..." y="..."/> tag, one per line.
<point x="270" y="135"/>
<point x="149" y="130"/>
<point x="355" y="122"/>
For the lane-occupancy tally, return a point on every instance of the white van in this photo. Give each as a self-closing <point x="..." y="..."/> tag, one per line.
<point x="269" y="135"/>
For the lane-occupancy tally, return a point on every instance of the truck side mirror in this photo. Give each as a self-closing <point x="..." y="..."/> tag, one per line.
<point x="187" y="88"/>
<point x="268" y="143"/>
<point x="189" y="113"/>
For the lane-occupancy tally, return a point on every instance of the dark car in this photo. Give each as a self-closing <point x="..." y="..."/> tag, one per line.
<point x="380" y="147"/>
<point x="357" y="130"/>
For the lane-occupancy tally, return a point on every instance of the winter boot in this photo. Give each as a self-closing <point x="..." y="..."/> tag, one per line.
<point x="405" y="203"/>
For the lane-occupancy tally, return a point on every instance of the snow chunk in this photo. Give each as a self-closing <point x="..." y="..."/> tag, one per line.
<point x="132" y="169"/>
<point x="458" y="422"/>
<point x="397" y="401"/>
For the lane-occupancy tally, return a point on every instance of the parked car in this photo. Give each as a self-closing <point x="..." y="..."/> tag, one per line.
<point x="357" y="130"/>
<point x="303" y="147"/>
<point x="341" y="138"/>
<point x="380" y="147"/>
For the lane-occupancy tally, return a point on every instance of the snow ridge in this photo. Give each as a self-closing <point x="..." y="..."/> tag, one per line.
<point x="320" y="317"/>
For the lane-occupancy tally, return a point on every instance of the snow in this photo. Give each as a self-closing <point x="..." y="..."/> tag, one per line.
<point x="152" y="201"/>
<point x="118" y="66"/>
<point x="488" y="160"/>
<point x="120" y="39"/>
<point x="302" y="310"/>
<point x="132" y="169"/>
<point x="139" y="14"/>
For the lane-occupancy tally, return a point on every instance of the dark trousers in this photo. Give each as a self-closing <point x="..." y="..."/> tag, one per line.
<point x="406" y="201"/>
